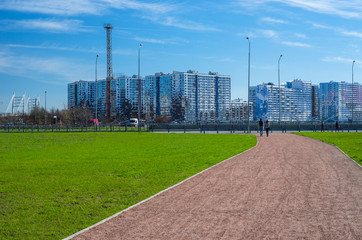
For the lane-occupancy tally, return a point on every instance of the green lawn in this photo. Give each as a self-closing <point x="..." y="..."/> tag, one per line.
<point x="350" y="143"/>
<point x="55" y="184"/>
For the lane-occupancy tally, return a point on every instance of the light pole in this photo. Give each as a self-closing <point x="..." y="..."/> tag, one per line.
<point x="248" y="87"/>
<point x="139" y="88"/>
<point x="352" y="89"/>
<point x="96" y="90"/>
<point x="45" y="113"/>
<point x="279" y="83"/>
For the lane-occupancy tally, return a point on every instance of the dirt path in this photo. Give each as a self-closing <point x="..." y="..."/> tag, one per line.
<point x="288" y="187"/>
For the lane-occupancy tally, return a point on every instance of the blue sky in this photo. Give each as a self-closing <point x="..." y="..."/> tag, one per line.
<point x="45" y="44"/>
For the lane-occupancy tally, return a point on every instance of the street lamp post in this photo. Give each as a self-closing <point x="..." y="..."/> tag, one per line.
<point x="352" y="90"/>
<point x="45" y="113"/>
<point x="248" y="86"/>
<point x="96" y="88"/>
<point x="279" y="83"/>
<point x="139" y="88"/>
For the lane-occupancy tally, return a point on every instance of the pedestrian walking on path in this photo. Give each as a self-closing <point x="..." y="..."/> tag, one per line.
<point x="261" y="126"/>
<point x="322" y="127"/>
<point x="267" y="127"/>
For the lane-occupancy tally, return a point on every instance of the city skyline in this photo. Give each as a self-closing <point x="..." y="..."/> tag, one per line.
<point x="47" y="44"/>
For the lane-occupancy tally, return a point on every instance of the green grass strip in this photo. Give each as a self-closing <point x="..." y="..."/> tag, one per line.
<point x="350" y="143"/>
<point x="53" y="185"/>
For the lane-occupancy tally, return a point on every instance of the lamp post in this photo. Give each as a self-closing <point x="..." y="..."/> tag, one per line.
<point x="96" y="88"/>
<point x="279" y="83"/>
<point x="139" y="88"/>
<point x="352" y="89"/>
<point x="248" y="86"/>
<point x="45" y="113"/>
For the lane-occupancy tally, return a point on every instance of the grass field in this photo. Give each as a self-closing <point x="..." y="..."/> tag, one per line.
<point x="53" y="185"/>
<point x="350" y="143"/>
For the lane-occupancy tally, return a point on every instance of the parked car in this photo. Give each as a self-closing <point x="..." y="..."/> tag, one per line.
<point x="133" y="122"/>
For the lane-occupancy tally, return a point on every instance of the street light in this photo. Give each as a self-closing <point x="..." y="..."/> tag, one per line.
<point x="96" y="90"/>
<point x="279" y="82"/>
<point x="139" y="88"/>
<point x="352" y="89"/>
<point x="45" y="113"/>
<point x="248" y="87"/>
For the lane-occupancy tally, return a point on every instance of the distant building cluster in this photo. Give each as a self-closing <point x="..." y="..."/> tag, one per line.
<point x="195" y="97"/>
<point x="181" y="96"/>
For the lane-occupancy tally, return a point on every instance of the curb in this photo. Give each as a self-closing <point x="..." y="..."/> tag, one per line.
<point x="159" y="193"/>
<point x="335" y="147"/>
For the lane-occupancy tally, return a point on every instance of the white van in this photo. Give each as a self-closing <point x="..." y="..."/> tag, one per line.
<point x="133" y="122"/>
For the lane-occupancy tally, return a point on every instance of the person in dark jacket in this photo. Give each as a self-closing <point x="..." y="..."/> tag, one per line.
<point x="337" y="126"/>
<point x="267" y="127"/>
<point x="261" y="127"/>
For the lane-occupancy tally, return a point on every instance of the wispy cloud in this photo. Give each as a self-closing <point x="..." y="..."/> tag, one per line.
<point x="50" y="25"/>
<point x="340" y="60"/>
<point x="300" y="35"/>
<point x="150" y="40"/>
<point x="341" y="8"/>
<point x="186" y="24"/>
<point x="338" y="30"/>
<point x="37" y="67"/>
<point x="180" y="23"/>
<point x="81" y="7"/>
<point x="296" y="44"/>
<point x="273" y="20"/>
<point x="71" y="49"/>
<point x="269" y="33"/>
<point x="352" y="34"/>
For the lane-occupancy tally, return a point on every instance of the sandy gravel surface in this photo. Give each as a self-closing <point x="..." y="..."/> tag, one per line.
<point x="288" y="187"/>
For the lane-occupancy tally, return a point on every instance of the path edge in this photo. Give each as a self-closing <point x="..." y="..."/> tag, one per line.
<point x="153" y="196"/>
<point x="333" y="146"/>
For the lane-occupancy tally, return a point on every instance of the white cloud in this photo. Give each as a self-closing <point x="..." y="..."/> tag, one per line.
<point x="37" y="67"/>
<point x="340" y="60"/>
<point x="341" y="8"/>
<point x="78" y="7"/>
<point x="339" y="30"/>
<point x="300" y="35"/>
<point x="296" y="44"/>
<point x="269" y="33"/>
<point x="352" y="34"/>
<point x="149" y="40"/>
<point x="51" y="25"/>
<point x="52" y="47"/>
<point x="186" y="24"/>
<point x="180" y="23"/>
<point x="273" y="20"/>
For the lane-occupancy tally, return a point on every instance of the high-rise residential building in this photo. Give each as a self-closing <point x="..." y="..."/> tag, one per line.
<point x="315" y="102"/>
<point x="252" y="101"/>
<point x="335" y="101"/>
<point x="198" y="97"/>
<point x="157" y="95"/>
<point x="239" y="110"/>
<point x="127" y="96"/>
<point x="295" y="101"/>
<point x="81" y="94"/>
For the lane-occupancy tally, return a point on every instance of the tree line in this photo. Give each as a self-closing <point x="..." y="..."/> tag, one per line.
<point x="77" y="115"/>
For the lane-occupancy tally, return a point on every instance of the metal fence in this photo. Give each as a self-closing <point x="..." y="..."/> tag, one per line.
<point x="243" y="128"/>
<point x="32" y="128"/>
<point x="199" y="128"/>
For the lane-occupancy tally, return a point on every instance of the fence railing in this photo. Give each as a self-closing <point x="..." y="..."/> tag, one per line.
<point x="201" y="128"/>
<point x="243" y="128"/>
<point x="32" y="128"/>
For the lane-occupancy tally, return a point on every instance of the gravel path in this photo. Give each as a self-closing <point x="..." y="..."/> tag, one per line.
<point x="288" y="187"/>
